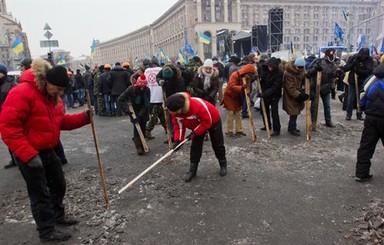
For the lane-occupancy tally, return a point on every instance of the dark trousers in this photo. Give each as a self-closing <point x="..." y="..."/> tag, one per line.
<point x="272" y="106"/>
<point x="59" y="150"/>
<point x="46" y="189"/>
<point x="217" y="141"/>
<point x="351" y="103"/>
<point x="292" y="124"/>
<point x="372" y="132"/>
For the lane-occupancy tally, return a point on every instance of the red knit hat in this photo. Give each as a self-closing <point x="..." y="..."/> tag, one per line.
<point x="141" y="81"/>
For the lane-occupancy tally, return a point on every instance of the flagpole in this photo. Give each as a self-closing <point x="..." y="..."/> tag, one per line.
<point x="358" y="24"/>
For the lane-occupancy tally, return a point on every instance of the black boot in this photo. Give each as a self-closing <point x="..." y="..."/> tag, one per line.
<point x="223" y="167"/>
<point x="192" y="172"/>
<point x="138" y="145"/>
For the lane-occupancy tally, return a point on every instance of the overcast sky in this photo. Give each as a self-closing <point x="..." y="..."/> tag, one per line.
<point x="75" y="23"/>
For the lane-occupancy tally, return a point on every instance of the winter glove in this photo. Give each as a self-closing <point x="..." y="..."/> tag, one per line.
<point x="244" y="86"/>
<point x="35" y="162"/>
<point x="259" y="95"/>
<point x="88" y="114"/>
<point x="191" y="136"/>
<point x="307" y="75"/>
<point x="303" y="97"/>
<point x="333" y="94"/>
<point x="133" y="120"/>
<point x="175" y="144"/>
<point x="319" y="68"/>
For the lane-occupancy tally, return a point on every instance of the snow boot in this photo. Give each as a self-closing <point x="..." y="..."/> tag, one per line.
<point x="223" y="167"/>
<point x="192" y="172"/>
<point x="148" y="135"/>
<point x="138" y="145"/>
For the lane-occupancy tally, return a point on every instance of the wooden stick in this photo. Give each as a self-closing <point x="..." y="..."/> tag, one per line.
<point x="152" y="166"/>
<point x="138" y="128"/>
<point x="166" y="114"/>
<point x="308" y="110"/>
<point x="316" y="101"/>
<point x="250" y="113"/>
<point x="358" y="110"/>
<point x="100" y="164"/>
<point x="263" y="108"/>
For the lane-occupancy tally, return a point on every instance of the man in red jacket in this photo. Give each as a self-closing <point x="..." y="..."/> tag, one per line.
<point x="30" y="123"/>
<point x="200" y="116"/>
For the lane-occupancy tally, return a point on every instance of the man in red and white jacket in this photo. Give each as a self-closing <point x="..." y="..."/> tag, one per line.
<point x="200" y="116"/>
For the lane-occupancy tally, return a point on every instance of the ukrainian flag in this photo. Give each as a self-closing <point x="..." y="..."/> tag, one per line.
<point x="204" y="38"/>
<point x="182" y="59"/>
<point x="17" y="45"/>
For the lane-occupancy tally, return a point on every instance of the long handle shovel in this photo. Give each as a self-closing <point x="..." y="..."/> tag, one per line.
<point x="358" y="110"/>
<point x="138" y="128"/>
<point x="100" y="164"/>
<point x="152" y="166"/>
<point x="249" y="107"/>
<point x="308" y="110"/>
<point x="264" y="111"/>
<point x="316" y="101"/>
<point x="166" y="113"/>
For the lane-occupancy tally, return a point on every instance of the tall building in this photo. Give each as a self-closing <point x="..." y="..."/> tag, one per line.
<point x="307" y="24"/>
<point x="10" y="30"/>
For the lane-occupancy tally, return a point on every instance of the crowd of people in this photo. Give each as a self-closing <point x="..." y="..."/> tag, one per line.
<point x="180" y="97"/>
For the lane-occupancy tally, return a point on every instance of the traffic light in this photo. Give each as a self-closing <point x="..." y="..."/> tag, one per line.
<point x="49" y="56"/>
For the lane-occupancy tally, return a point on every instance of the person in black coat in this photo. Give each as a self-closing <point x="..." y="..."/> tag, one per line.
<point x="271" y="82"/>
<point x="360" y="64"/>
<point x="372" y="104"/>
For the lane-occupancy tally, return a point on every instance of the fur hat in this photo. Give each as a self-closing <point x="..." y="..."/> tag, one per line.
<point x="208" y="63"/>
<point x="175" y="102"/>
<point x="167" y="73"/>
<point x="3" y="69"/>
<point x="58" y="76"/>
<point x="141" y="81"/>
<point x="299" y="62"/>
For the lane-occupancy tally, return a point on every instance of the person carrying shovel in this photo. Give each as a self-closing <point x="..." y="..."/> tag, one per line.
<point x="200" y="116"/>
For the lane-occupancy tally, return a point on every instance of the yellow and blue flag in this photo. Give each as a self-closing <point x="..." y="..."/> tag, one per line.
<point x="204" y="38"/>
<point x="93" y="47"/>
<point x="17" y="45"/>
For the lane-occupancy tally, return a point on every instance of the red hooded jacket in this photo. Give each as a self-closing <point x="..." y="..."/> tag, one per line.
<point x="30" y="122"/>
<point x="199" y="115"/>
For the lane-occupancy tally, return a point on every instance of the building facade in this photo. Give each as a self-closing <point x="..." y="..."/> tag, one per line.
<point x="307" y="24"/>
<point x="10" y="29"/>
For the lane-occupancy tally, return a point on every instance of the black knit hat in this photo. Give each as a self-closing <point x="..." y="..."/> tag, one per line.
<point x="175" y="102"/>
<point x="58" y="76"/>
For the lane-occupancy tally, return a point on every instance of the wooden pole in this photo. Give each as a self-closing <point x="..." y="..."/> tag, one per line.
<point x="138" y="128"/>
<point x="316" y="101"/>
<point x="308" y="110"/>
<point x="166" y="114"/>
<point x="250" y="113"/>
<point x="263" y="108"/>
<point x="100" y="164"/>
<point x="358" y="110"/>
<point x="152" y="166"/>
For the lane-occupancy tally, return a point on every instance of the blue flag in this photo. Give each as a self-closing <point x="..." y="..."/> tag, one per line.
<point x="338" y="31"/>
<point x="188" y="48"/>
<point x="382" y="45"/>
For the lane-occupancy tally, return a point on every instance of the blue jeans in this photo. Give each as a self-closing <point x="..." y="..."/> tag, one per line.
<point x="326" y="99"/>
<point x="81" y="96"/>
<point x="46" y="189"/>
<point x="107" y="102"/>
